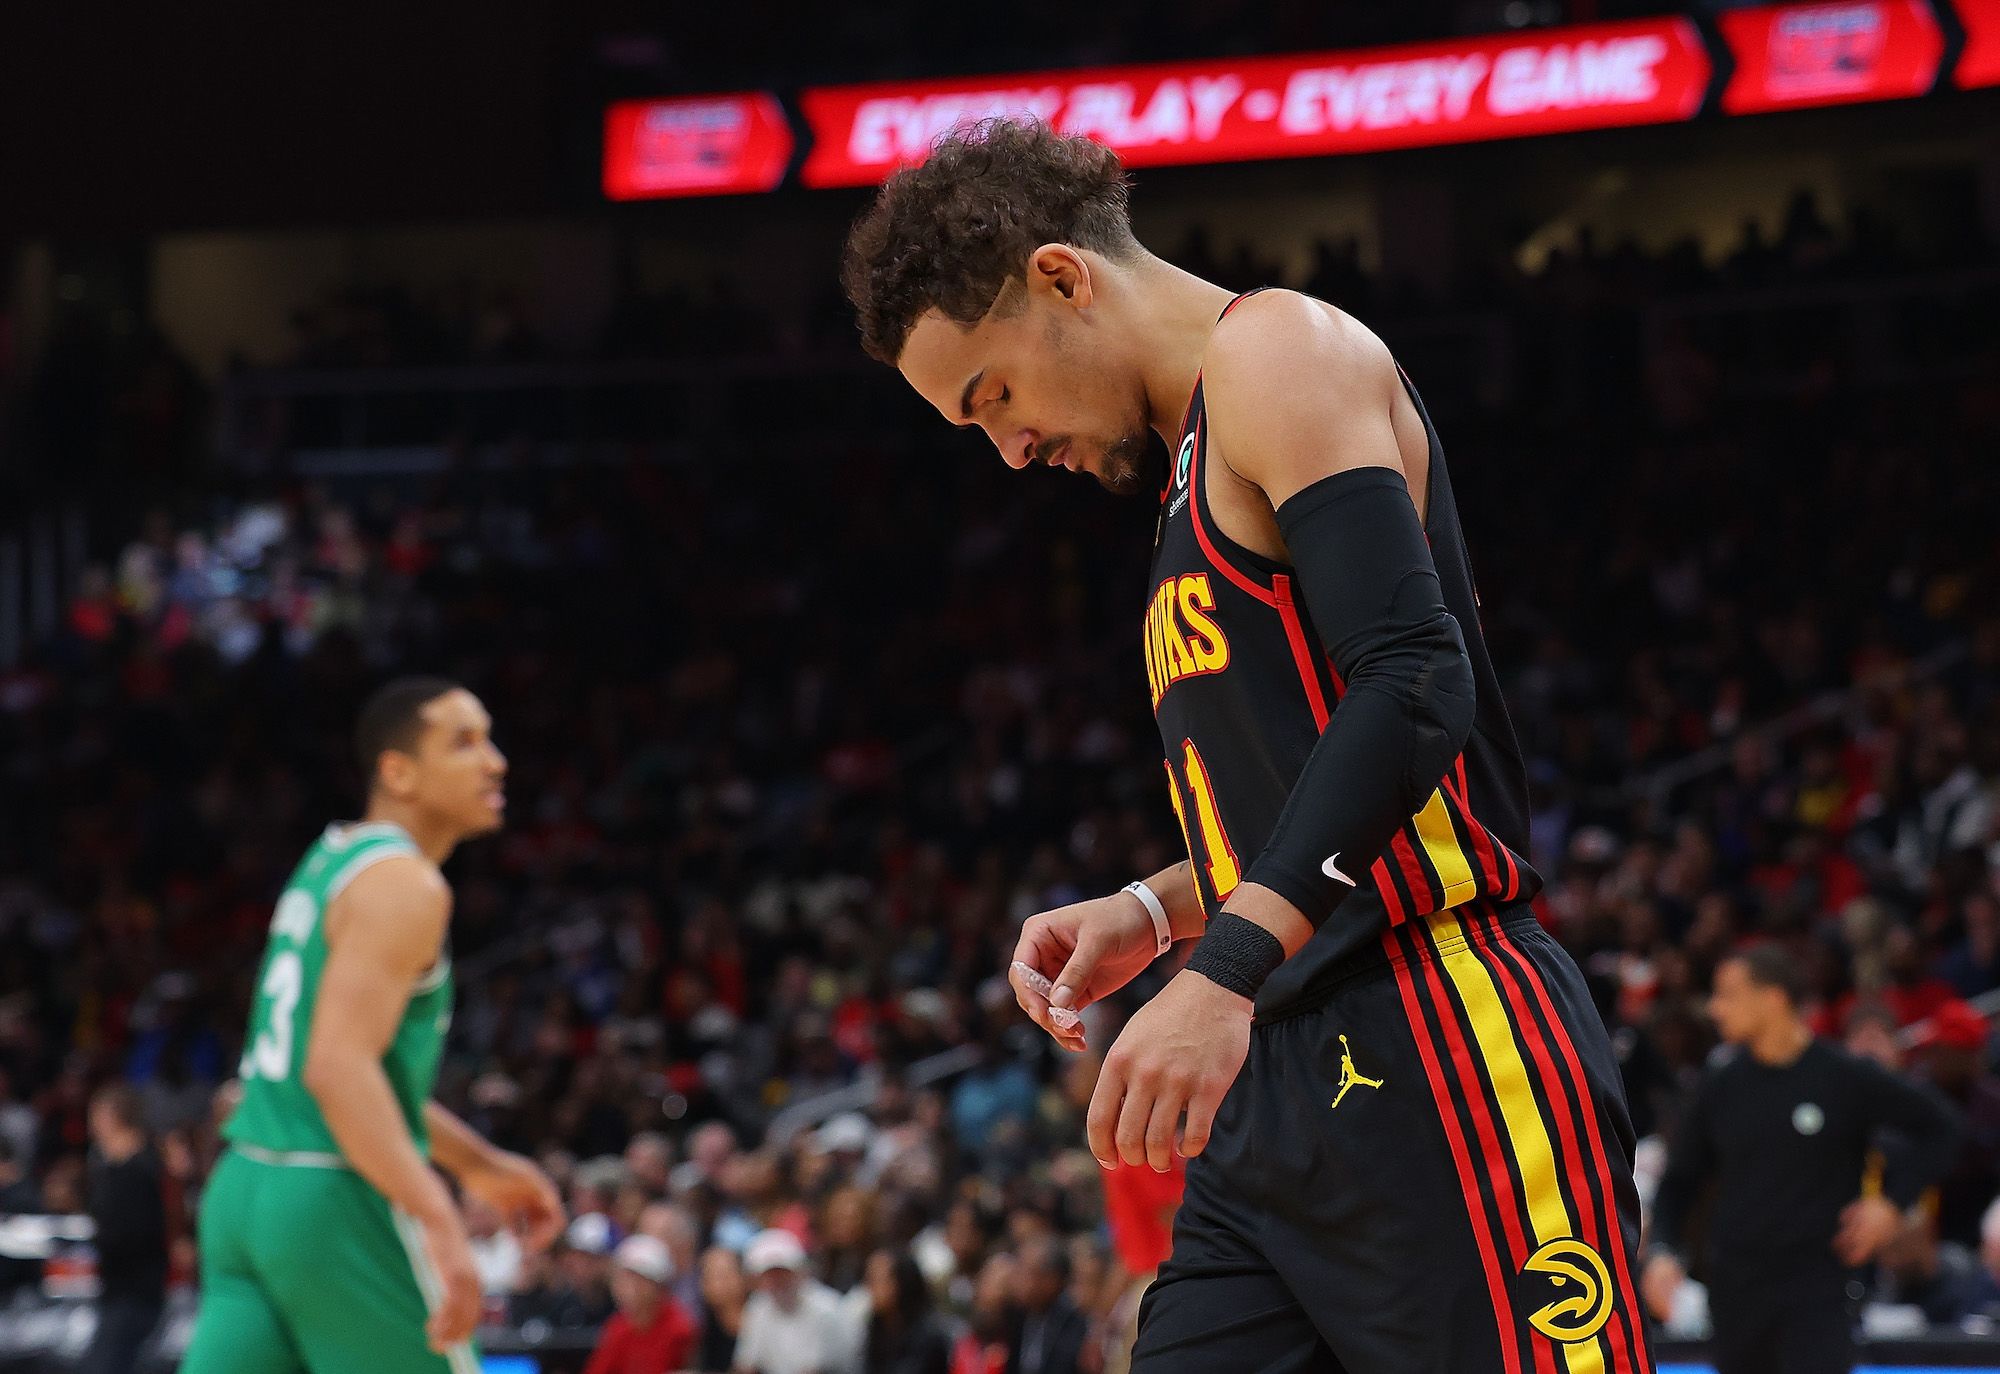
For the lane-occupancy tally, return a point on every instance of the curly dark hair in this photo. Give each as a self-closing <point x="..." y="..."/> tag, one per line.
<point x="954" y="233"/>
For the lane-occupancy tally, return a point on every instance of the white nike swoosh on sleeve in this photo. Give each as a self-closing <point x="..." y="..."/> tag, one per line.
<point x="1332" y="870"/>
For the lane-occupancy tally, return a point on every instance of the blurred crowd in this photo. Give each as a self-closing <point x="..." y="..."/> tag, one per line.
<point x="1581" y="331"/>
<point x="798" y="741"/>
<point x="387" y="323"/>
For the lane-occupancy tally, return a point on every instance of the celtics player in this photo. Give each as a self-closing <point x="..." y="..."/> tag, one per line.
<point x="328" y="1243"/>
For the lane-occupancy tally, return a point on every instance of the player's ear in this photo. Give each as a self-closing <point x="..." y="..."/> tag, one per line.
<point x="395" y="772"/>
<point x="1061" y="271"/>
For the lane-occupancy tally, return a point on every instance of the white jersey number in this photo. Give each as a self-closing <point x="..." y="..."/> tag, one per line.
<point x="270" y="1052"/>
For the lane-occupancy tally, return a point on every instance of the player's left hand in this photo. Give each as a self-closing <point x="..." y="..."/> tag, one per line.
<point x="1178" y="1054"/>
<point x="516" y="1188"/>
<point x="1866" y="1225"/>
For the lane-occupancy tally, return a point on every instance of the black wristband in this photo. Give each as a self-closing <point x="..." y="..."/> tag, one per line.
<point x="1236" y="954"/>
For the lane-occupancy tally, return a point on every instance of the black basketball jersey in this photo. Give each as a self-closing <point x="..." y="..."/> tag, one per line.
<point x="1242" y="687"/>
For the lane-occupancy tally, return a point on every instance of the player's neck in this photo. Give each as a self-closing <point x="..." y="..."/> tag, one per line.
<point x="1172" y="314"/>
<point x="1780" y="1043"/>
<point x="121" y="1147"/>
<point x="434" y="840"/>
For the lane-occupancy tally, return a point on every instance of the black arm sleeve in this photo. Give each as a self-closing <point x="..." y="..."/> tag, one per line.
<point x="1690" y="1161"/>
<point x="1365" y="569"/>
<point x="1925" y="1123"/>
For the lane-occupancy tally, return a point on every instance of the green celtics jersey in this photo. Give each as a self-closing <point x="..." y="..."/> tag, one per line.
<point x="277" y="1115"/>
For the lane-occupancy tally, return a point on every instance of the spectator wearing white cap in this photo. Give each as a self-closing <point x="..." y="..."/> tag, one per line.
<point x="585" y="1263"/>
<point x="792" y="1324"/>
<point x="590" y="1233"/>
<point x="650" y="1333"/>
<point x="858" y="1149"/>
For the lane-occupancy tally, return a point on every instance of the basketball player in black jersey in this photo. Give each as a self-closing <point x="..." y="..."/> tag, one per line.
<point x="1409" y="1153"/>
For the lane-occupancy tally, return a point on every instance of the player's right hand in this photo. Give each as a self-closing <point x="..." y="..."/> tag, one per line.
<point x="1659" y="1281"/>
<point x="1089" y="950"/>
<point x="456" y="1308"/>
<point x="517" y="1188"/>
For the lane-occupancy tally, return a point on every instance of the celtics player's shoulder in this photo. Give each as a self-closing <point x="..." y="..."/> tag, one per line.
<point x="376" y="860"/>
<point x="400" y="895"/>
<point x="1291" y="384"/>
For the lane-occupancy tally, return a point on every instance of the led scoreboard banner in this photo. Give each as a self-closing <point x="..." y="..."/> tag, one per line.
<point x="1536" y="81"/>
<point x="1789" y="56"/>
<point x="1979" y="64"/>
<point x="703" y="145"/>
<point x="1553" y="80"/>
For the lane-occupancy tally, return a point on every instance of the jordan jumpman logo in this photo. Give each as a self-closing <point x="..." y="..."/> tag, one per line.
<point x="1348" y="1077"/>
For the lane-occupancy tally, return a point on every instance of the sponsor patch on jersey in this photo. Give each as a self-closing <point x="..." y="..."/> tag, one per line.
<point x="1183" y="465"/>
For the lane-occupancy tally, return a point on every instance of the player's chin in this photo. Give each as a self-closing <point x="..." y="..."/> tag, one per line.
<point x="489" y="813"/>
<point x="1118" y="479"/>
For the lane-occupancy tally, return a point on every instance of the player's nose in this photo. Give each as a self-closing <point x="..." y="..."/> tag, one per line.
<point x="1017" y="449"/>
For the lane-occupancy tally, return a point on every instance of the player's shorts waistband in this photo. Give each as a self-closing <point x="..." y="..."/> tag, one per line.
<point x="290" y="1159"/>
<point x="1425" y="938"/>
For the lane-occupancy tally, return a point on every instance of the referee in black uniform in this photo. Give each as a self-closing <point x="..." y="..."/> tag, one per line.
<point x="1784" y="1126"/>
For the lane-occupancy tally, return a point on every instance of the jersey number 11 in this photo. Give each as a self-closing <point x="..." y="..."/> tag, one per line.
<point x="1224" y="872"/>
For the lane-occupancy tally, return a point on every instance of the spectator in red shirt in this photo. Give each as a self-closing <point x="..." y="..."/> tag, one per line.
<point x="982" y="1345"/>
<point x="650" y="1333"/>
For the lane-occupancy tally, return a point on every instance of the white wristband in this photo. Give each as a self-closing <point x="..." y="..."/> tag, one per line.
<point x="1163" y="934"/>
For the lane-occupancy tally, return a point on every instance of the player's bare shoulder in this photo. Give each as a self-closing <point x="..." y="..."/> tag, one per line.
<point x="404" y="892"/>
<point x="1283" y="346"/>
<point x="1297" y="390"/>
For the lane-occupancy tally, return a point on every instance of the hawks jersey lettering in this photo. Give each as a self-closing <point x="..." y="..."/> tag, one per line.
<point x="1242" y="687"/>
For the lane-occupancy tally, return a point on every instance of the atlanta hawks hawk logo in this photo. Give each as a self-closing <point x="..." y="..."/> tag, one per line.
<point x="1577" y="1273"/>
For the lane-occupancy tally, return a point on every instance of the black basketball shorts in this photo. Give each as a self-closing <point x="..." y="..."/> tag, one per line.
<point x="1429" y="1172"/>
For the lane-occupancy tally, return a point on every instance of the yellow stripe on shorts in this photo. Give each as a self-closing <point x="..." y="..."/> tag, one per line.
<point x="1527" y="1134"/>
